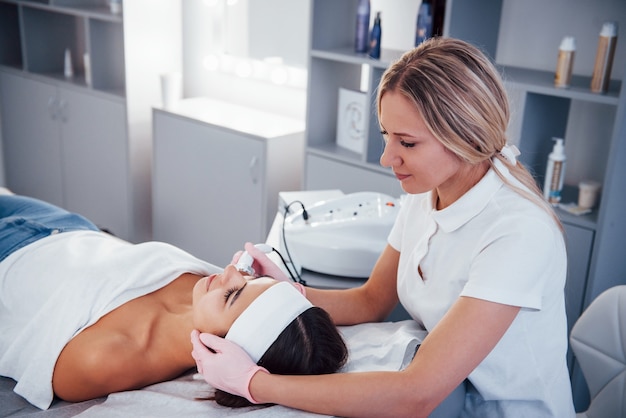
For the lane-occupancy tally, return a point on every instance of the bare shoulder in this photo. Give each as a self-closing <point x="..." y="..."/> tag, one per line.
<point x="142" y="342"/>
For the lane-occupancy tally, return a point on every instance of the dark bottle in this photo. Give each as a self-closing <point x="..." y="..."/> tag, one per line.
<point x="375" y="36"/>
<point x="438" y="10"/>
<point x="424" y="27"/>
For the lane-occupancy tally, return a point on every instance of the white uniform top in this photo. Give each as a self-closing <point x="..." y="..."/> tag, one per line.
<point x="493" y="244"/>
<point x="57" y="286"/>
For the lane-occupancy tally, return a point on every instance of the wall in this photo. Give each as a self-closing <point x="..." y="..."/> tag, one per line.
<point x="255" y="30"/>
<point x="279" y="28"/>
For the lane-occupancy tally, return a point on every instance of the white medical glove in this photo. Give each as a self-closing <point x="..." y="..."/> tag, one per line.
<point x="225" y="366"/>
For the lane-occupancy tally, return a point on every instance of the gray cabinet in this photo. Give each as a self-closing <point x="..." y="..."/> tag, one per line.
<point x="84" y="141"/>
<point x="32" y="163"/>
<point x="95" y="159"/>
<point x="595" y="241"/>
<point x="71" y="149"/>
<point x="326" y="173"/>
<point x="216" y="187"/>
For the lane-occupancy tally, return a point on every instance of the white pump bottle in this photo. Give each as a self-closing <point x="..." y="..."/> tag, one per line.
<point x="555" y="173"/>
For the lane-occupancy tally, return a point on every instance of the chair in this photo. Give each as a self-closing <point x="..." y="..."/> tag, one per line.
<point x="598" y="340"/>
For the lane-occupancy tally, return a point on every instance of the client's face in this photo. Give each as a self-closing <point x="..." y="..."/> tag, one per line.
<point x="219" y="299"/>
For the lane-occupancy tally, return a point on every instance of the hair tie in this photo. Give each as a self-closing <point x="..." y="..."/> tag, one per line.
<point x="509" y="152"/>
<point x="258" y="326"/>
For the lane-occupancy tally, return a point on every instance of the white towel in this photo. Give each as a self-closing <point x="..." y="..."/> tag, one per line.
<point x="372" y="347"/>
<point x="56" y="287"/>
<point x="385" y="346"/>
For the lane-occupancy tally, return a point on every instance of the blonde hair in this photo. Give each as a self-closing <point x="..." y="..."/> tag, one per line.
<point x="461" y="97"/>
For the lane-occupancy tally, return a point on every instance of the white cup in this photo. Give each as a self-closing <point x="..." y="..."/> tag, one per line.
<point x="171" y="89"/>
<point x="588" y="192"/>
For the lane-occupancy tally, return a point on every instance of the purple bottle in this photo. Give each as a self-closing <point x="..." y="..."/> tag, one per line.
<point x="361" y="39"/>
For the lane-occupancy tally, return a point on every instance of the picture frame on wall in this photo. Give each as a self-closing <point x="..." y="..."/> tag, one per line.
<point x="351" y="120"/>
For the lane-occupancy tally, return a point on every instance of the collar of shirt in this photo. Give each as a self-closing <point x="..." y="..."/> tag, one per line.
<point x="472" y="202"/>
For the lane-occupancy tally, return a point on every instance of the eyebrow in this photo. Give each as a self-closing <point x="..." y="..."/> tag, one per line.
<point x="237" y="293"/>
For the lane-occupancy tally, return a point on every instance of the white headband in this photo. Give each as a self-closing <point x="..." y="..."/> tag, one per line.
<point x="267" y="316"/>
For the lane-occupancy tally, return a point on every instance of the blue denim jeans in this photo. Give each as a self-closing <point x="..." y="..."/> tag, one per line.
<point x="24" y="220"/>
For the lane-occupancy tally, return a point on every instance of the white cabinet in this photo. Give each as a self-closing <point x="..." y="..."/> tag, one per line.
<point x="71" y="149"/>
<point x="216" y="187"/>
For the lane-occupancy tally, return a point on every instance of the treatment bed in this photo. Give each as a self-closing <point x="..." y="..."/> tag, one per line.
<point x="380" y="346"/>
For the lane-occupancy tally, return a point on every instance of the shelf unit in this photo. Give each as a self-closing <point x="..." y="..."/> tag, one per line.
<point x="127" y="52"/>
<point x="36" y="35"/>
<point x="334" y="64"/>
<point x="595" y="241"/>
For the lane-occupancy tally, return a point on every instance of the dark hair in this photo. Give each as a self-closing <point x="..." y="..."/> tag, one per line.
<point x="310" y="344"/>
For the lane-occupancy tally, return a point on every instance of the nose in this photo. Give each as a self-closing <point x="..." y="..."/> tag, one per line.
<point x="389" y="158"/>
<point x="231" y="275"/>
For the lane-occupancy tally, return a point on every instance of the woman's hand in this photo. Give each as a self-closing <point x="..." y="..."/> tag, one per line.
<point x="224" y="365"/>
<point x="262" y="265"/>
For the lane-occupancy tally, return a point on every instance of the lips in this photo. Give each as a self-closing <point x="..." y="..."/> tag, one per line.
<point x="401" y="176"/>
<point x="209" y="280"/>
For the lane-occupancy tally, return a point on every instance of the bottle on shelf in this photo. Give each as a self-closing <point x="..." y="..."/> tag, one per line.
<point x="87" y="65"/>
<point x="115" y="6"/>
<point x="68" y="68"/>
<point x="604" y="58"/>
<point x="424" y="26"/>
<point x="438" y="10"/>
<point x="375" y="37"/>
<point x="361" y="36"/>
<point x="555" y="173"/>
<point x="565" y="62"/>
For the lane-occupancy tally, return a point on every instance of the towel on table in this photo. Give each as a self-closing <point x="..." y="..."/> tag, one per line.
<point x="371" y="346"/>
<point x="54" y="288"/>
<point x="385" y="346"/>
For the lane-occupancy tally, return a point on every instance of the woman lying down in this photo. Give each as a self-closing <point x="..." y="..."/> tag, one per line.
<point x="84" y="314"/>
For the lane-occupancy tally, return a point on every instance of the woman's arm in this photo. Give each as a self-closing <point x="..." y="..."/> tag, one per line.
<point x="371" y="302"/>
<point x="462" y="339"/>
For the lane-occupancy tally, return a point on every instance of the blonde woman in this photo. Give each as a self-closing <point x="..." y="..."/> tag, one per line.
<point x="476" y="257"/>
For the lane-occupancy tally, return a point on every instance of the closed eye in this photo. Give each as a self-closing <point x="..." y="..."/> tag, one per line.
<point x="228" y="293"/>
<point x="404" y="143"/>
<point x="237" y="294"/>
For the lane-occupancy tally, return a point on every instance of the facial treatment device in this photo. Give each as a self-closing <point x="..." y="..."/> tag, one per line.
<point x="245" y="261"/>
<point x="343" y="236"/>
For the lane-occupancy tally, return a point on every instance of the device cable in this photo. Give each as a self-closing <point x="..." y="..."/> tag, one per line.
<point x="305" y="216"/>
